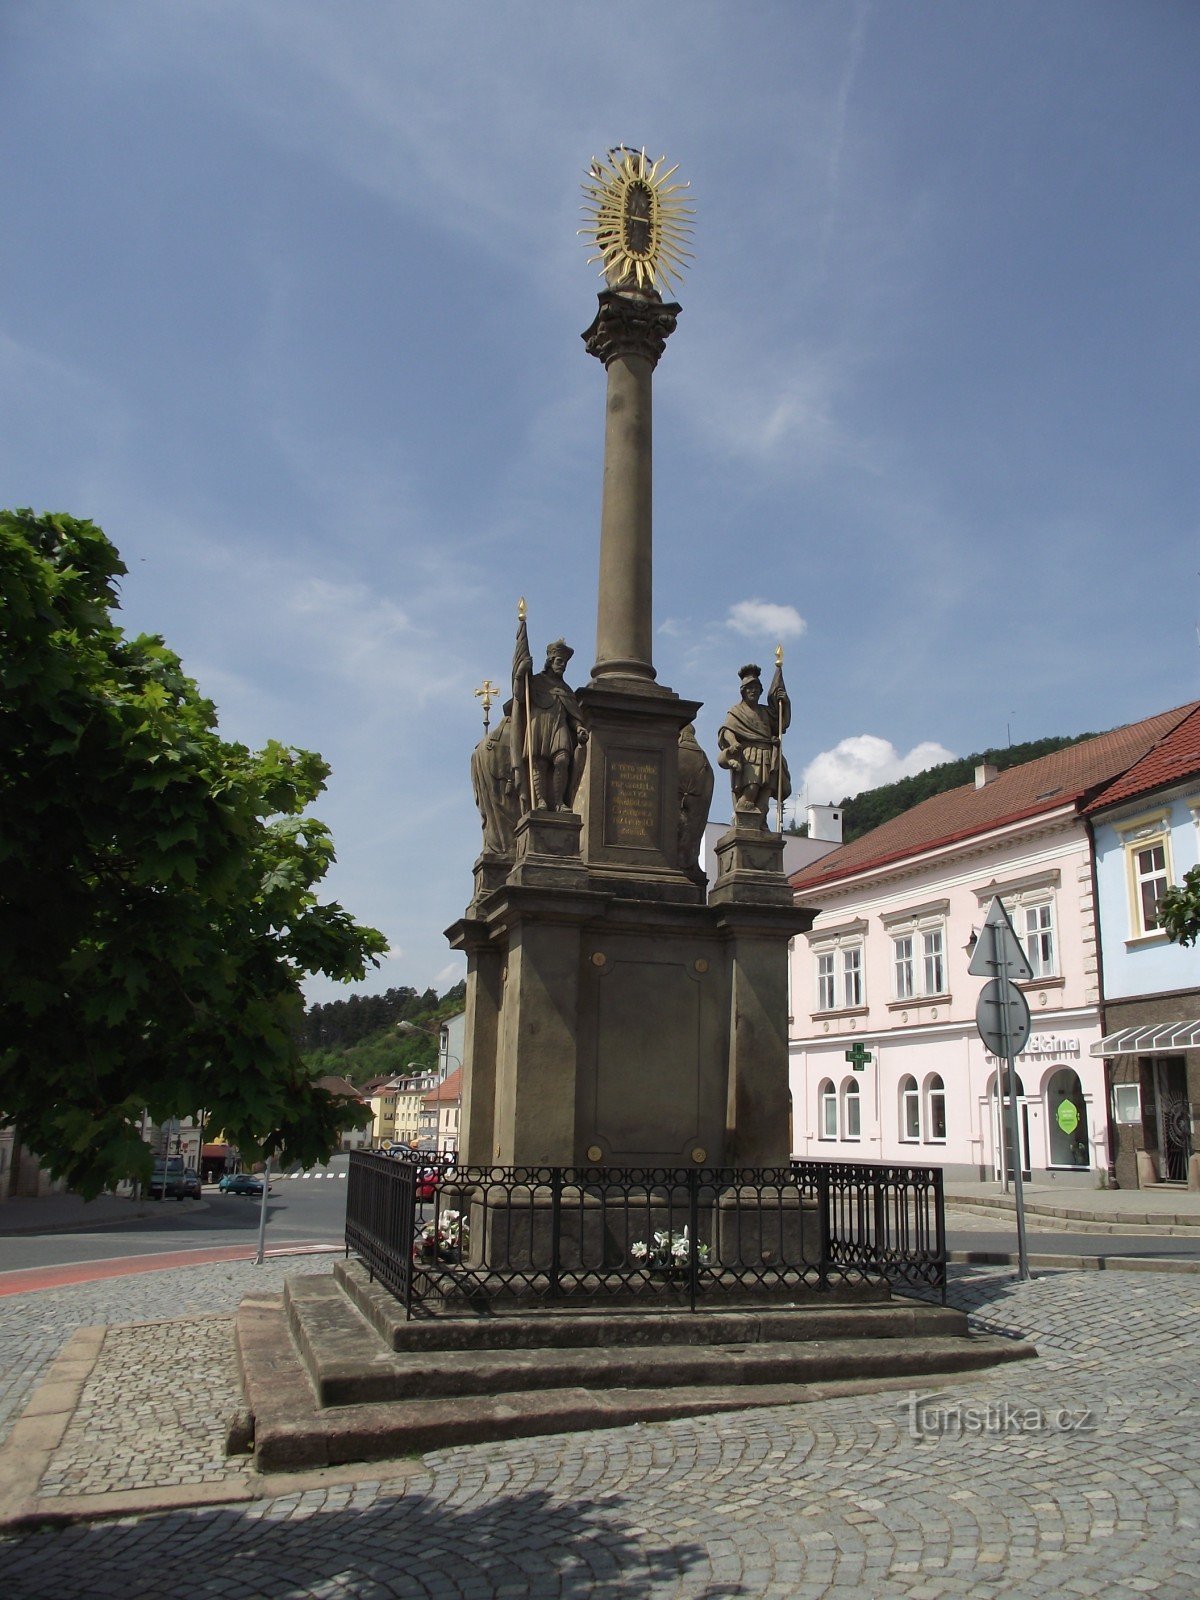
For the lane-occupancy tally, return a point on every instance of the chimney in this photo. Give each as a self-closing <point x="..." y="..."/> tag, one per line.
<point x="986" y="774"/>
<point x="825" y="823"/>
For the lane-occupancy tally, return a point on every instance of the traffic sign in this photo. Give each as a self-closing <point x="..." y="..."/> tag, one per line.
<point x="1003" y="1010"/>
<point x="998" y="952"/>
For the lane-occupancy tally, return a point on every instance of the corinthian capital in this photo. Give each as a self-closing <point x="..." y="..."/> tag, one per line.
<point x="630" y="325"/>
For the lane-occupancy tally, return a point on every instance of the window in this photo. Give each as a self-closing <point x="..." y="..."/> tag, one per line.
<point x="935" y="1109"/>
<point x="1127" y="1104"/>
<point x="1038" y="923"/>
<point x="841" y="979"/>
<point x="1148" y="865"/>
<point x="918" y="935"/>
<point x="828" y="1109"/>
<point x="910" y="1109"/>
<point x="1150" y="876"/>
<point x="934" y="961"/>
<point x="851" y="1120"/>
<point x="826" y="987"/>
<point x="852" y="976"/>
<point x="902" y="967"/>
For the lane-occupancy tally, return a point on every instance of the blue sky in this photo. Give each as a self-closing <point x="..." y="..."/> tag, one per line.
<point x="291" y="306"/>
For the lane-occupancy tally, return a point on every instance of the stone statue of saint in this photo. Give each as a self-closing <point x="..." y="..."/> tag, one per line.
<point x="494" y="784"/>
<point x="750" y="749"/>
<point x="548" y="736"/>
<point x="695" y="797"/>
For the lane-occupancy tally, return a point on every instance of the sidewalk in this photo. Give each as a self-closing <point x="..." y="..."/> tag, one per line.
<point x="1164" y="1206"/>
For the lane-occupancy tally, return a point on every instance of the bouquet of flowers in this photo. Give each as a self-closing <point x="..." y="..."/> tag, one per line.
<point x="669" y="1250"/>
<point x="443" y="1239"/>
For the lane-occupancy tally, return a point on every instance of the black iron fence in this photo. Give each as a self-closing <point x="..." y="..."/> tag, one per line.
<point x="491" y="1236"/>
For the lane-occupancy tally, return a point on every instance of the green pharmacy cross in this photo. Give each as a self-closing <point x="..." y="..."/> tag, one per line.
<point x="859" y="1056"/>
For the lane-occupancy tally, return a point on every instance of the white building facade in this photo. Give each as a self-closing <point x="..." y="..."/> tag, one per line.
<point x="886" y="1061"/>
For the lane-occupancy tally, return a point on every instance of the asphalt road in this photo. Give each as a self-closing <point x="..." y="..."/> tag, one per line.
<point x="299" y="1211"/>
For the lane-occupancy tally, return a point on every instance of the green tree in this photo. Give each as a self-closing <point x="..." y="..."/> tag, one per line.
<point x="157" y="904"/>
<point x="1180" y="908"/>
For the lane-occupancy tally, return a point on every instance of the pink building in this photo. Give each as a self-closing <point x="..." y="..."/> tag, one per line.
<point x="887" y="1064"/>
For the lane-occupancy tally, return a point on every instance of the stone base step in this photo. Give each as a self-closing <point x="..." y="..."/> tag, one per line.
<point x="551" y="1389"/>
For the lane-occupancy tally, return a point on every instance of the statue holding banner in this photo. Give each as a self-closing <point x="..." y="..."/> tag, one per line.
<point x="548" y="736"/>
<point x="751" y="747"/>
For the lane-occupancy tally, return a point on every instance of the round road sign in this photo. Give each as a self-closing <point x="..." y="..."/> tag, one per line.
<point x="1001" y="1003"/>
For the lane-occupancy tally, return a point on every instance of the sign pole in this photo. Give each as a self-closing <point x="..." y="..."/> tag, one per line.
<point x="262" y="1214"/>
<point x="1014" y="1131"/>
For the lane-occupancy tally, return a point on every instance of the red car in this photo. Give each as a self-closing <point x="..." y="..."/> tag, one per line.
<point x="427" y="1181"/>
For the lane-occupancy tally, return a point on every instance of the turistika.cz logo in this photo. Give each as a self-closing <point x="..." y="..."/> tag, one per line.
<point x="934" y="1416"/>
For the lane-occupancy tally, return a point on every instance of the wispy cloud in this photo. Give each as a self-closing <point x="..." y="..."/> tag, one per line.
<point x="758" y="619"/>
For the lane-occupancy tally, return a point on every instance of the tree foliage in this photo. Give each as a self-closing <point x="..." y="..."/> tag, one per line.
<point x="157" y="904"/>
<point x="1180" y="909"/>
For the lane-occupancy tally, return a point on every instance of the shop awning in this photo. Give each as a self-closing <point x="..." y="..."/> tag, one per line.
<point x="1149" y="1039"/>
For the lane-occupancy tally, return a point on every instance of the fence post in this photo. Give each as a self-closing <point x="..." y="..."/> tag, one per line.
<point x="939" y="1203"/>
<point x="556" y="1188"/>
<point x="693" y="1234"/>
<point x="825" y="1224"/>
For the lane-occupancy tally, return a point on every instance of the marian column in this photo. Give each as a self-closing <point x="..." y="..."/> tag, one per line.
<point x="629" y="335"/>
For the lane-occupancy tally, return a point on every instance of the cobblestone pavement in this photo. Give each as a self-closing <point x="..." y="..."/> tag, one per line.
<point x="34" y="1327"/>
<point x="153" y="1411"/>
<point x="1075" y="1475"/>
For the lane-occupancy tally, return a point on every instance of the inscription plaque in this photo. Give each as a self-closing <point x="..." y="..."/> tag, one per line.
<point x="632" y="799"/>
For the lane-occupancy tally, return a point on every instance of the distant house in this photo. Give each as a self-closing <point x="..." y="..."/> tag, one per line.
<point x="441" y="1111"/>
<point x="887" y="1064"/>
<point x="1146" y="828"/>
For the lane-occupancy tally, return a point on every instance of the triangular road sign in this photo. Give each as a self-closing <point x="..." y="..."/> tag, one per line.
<point x="999" y="953"/>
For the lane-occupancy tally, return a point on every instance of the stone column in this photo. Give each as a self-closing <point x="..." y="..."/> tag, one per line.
<point x="629" y="335"/>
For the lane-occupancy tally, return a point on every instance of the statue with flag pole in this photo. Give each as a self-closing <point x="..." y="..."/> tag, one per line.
<point x="547" y="727"/>
<point x="751" y="746"/>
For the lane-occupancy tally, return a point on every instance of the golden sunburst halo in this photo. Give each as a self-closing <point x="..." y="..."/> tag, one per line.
<point x="636" y="219"/>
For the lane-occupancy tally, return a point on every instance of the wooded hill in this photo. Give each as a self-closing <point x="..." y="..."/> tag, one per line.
<point x="862" y="812"/>
<point x="357" y="1039"/>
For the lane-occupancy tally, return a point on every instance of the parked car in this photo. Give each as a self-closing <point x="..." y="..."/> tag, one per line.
<point x="191" y="1184"/>
<point x="167" y="1181"/>
<point x="241" y="1183"/>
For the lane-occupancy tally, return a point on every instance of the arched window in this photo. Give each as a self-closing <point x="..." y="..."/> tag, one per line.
<point x="851" y="1119"/>
<point x="935" y="1109"/>
<point x="1066" y="1115"/>
<point x="827" y="1109"/>
<point x="910" y="1108"/>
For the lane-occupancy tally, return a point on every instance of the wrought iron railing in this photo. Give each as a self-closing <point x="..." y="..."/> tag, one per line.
<point x="491" y="1236"/>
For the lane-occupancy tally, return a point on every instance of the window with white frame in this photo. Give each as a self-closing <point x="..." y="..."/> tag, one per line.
<point x="841" y="974"/>
<point x="1148" y="871"/>
<point x="1150" y="881"/>
<point x="826" y="982"/>
<point x="827" y="1110"/>
<point x="918" y="936"/>
<point x="903" y="969"/>
<point x="851" y="1114"/>
<point x="910" y="1109"/>
<point x="933" y="960"/>
<point x="935" y="1109"/>
<point x="852" y="975"/>
<point x="1035" y="923"/>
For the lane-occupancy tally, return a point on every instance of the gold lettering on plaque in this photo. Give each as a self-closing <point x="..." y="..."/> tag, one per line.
<point x="633" y="808"/>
